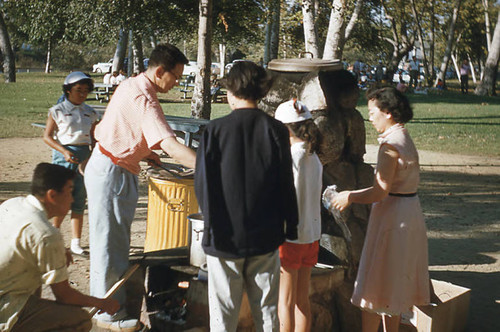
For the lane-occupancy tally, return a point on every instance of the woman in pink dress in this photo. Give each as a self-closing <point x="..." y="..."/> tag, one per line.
<point x="393" y="271"/>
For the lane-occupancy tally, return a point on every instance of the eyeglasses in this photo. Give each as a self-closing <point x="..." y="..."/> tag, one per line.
<point x="177" y="78"/>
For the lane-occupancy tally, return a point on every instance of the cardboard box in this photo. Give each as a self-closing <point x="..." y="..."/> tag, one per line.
<point x="450" y="315"/>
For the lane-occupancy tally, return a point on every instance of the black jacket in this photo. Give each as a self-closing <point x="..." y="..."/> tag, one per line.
<point x="244" y="185"/>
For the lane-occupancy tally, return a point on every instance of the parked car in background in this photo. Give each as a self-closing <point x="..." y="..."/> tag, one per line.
<point x="190" y="69"/>
<point x="102" y="67"/>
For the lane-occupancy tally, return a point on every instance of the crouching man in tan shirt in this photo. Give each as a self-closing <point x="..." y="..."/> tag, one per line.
<point x="32" y="253"/>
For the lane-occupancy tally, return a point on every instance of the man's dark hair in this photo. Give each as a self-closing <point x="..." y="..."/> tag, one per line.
<point x="67" y="87"/>
<point x="390" y="100"/>
<point x="167" y="56"/>
<point x="247" y="80"/>
<point x="49" y="176"/>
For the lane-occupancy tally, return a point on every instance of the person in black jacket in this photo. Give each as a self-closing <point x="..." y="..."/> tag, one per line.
<point x="244" y="185"/>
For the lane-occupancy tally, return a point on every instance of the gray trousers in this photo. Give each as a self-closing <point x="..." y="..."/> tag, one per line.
<point x="227" y="278"/>
<point x="112" y="198"/>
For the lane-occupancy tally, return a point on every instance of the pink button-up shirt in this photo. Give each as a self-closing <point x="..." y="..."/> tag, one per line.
<point x="133" y="123"/>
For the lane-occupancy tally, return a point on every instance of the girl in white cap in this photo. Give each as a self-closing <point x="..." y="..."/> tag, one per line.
<point x="299" y="256"/>
<point x="69" y="132"/>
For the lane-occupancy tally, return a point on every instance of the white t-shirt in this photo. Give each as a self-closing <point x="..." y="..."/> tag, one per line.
<point x="308" y="179"/>
<point x="31" y="254"/>
<point x="73" y="122"/>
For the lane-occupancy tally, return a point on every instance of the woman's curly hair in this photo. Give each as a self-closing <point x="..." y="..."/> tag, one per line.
<point x="392" y="101"/>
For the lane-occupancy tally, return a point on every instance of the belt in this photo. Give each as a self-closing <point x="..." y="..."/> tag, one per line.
<point x="403" y="195"/>
<point x="108" y="154"/>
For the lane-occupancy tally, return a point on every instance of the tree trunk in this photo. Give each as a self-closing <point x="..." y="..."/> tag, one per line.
<point x="487" y="24"/>
<point x="121" y="49"/>
<point x="401" y="44"/>
<point x="421" y="40"/>
<point x="9" y="61"/>
<point x="138" y="53"/>
<point x="275" y="29"/>
<point x="130" y="63"/>
<point x="491" y="69"/>
<point x="200" y="103"/>
<point x="222" y="59"/>
<point x="354" y="18"/>
<point x="432" y="42"/>
<point x="267" y="40"/>
<point x="49" y="57"/>
<point x="334" y="44"/>
<point x="310" y="35"/>
<point x="449" y="44"/>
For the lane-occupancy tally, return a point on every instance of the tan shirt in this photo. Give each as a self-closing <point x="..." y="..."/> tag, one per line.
<point x="31" y="254"/>
<point x="133" y="123"/>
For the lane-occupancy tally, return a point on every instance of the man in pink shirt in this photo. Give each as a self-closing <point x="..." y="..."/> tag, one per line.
<point x="133" y="126"/>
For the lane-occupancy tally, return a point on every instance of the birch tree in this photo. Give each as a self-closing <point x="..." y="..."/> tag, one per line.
<point x="401" y="42"/>
<point x="491" y="68"/>
<point x="310" y="33"/>
<point x="449" y="43"/>
<point x="339" y="29"/>
<point x="201" y="101"/>
<point x="9" y="64"/>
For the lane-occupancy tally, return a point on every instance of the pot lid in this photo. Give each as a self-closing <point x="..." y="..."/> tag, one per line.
<point x="304" y="65"/>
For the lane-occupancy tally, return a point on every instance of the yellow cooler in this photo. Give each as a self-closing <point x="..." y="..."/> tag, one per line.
<point x="170" y="201"/>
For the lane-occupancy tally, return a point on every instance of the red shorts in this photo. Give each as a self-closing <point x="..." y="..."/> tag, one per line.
<point x="297" y="255"/>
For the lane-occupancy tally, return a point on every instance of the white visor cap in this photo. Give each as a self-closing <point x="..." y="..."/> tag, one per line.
<point x="74" y="77"/>
<point x="292" y="111"/>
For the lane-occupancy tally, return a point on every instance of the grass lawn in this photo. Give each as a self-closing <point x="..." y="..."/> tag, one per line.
<point x="450" y="122"/>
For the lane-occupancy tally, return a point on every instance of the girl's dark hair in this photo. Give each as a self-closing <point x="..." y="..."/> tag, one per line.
<point x="247" y="80"/>
<point x="307" y="131"/>
<point x="50" y="176"/>
<point x="67" y="87"/>
<point x="391" y="100"/>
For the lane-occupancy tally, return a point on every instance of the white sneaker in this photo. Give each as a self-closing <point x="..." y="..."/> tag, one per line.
<point x="124" y="325"/>
<point x="79" y="251"/>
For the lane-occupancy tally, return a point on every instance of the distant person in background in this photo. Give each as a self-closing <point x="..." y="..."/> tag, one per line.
<point x="379" y="71"/>
<point x="121" y="77"/>
<point x="107" y="77"/>
<point x="414" y="71"/>
<point x="113" y="78"/>
<point x="70" y="133"/>
<point x="401" y="87"/>
<point x="356" y="68"/>
<point x="464" y="76"/>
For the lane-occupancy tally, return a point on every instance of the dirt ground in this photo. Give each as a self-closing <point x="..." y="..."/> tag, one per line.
<point x="460" y="197"/>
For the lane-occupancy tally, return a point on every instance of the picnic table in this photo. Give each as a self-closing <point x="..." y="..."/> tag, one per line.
<point x="185" y="88"/>
<point x="103" y="91"/>
<point x="187" y="128"/>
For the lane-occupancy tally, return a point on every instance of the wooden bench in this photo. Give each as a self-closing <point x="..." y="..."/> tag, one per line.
<point x="185" y="88"/>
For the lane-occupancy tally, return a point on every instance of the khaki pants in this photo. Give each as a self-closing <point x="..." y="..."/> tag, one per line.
<point x="45" y="315"/>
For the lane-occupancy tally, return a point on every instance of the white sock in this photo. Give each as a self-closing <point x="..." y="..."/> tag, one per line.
<point x="75" y="246"/>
